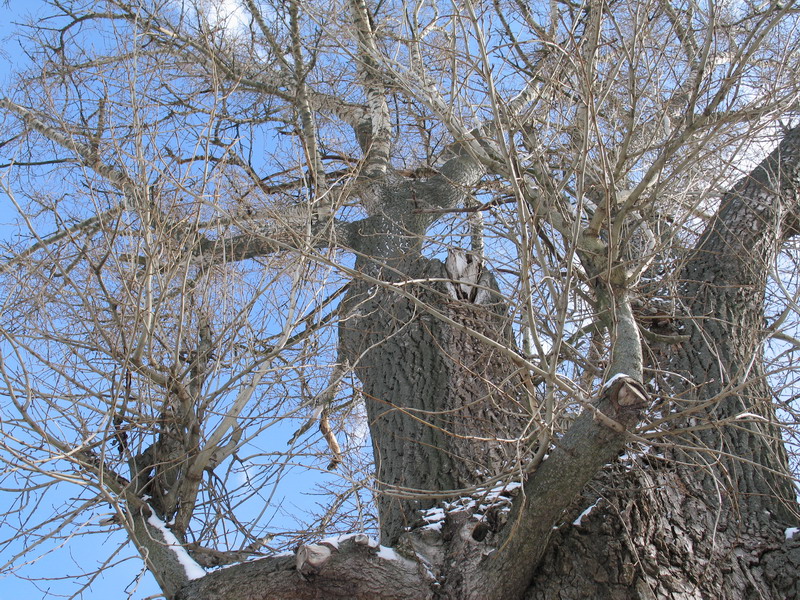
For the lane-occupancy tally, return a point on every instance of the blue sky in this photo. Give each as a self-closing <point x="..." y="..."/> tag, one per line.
<point x="82" y="554"/>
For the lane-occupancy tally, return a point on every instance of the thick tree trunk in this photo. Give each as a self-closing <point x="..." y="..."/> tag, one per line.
<point x="708" y="519"/>
<point x="739" y="457"/>
<point x="446" y="412"/>
<point x="650" y="537"/>
<point x="720" y="375"/>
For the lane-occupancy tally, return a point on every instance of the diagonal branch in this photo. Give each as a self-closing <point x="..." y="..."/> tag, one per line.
<point x="86" y="154"/>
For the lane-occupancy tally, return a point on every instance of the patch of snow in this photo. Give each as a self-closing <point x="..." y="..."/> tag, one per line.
<point x="610" y="382"/>
<point x="387" y="553"/>
<point x="336" y="540"/>
<point x="791" y="532"/>
<point x="749" y="415"/>
<point x="433" y="515"/>
<point x="584" y="514"/>
<point x="484" y="500"/>
<point x="190" y="567"/>
<point x="498" y="491"/>
<point x="428" y="571"/>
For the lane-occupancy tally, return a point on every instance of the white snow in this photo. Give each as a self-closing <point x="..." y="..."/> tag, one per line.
<point x="498" y="497"/>
<point x="192" y="569"/>
<point x="433" y="518"/>
<point x="387" y="553"/>
<point x="609" y="383"/>
<point x="482" y="500"/>
<point x="584" y="514"/>
<point x="505" y="487"/>
<point x="749" y="415"/>
<point x="791" y="532"/>
<point x="336" y="540"/>
<point x="383" y="551"/>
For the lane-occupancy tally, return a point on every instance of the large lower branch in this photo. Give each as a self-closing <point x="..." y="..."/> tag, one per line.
<point x="354" y="569"/>
<point x="169" y="562"/>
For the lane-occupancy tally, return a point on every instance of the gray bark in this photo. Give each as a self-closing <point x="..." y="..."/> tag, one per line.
<point x="724" y="284"/>
<point x="355" y="570"/>
<point x="649" y="538"/>
<point x="711" y="524"/>
<point x="437" y="400"/>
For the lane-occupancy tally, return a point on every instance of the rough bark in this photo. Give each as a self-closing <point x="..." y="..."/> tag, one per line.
<point x="706" y="522"/>
<point x="449" y="406"/>
<point x="647" y="538"/>
<point x="724" y="284"/>
<point x="355" y="568"/>
<point x="446" y="413"/>
<point x="156" y="551"/>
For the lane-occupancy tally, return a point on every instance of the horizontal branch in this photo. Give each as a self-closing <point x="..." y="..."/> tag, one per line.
<point x="353" y="569"/>
<point x="324" y="234"/>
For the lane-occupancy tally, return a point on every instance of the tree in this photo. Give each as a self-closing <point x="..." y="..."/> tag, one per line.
<point x="520" y="244"/>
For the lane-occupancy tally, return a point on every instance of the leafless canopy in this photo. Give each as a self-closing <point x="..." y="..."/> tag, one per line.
<point x="210" y="202"/>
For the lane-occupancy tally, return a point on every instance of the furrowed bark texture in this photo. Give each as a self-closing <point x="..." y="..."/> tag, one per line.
<point x="445" y="411"/>
<point x="353" y="571"/>
<point x="711" y="523"/>
<point x="724" y="285"/>
<point x="648" y="538"/>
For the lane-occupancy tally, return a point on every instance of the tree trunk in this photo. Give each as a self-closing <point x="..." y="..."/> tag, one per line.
<point x="707" y="522"/>
<point x="446" y="412"/>
<point x="650" y="537"/>
<point x="724" y="285"/>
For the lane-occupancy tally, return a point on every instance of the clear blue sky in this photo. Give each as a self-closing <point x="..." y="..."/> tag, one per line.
<point x="80" y="554"/>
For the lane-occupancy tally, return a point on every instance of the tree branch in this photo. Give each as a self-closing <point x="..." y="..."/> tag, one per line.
<point x="353" y="569"/>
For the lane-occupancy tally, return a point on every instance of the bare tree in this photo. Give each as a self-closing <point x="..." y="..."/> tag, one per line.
<point x="516" y="278"/>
